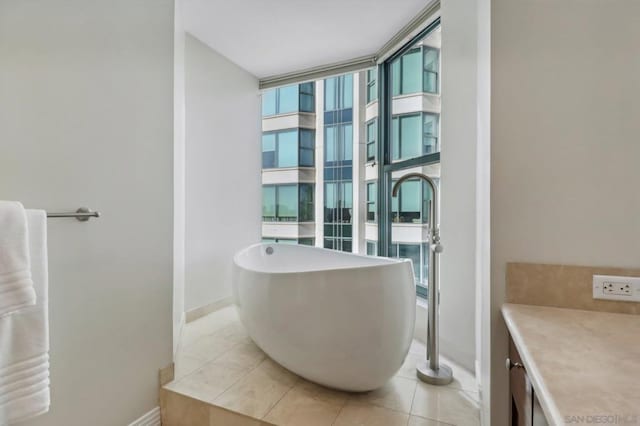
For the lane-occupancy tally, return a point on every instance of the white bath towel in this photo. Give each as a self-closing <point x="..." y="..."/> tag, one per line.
<point x="16" y="286"/>
<point x="24" y="339"/>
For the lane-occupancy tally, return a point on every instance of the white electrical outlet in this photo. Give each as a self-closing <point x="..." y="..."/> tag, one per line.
<point x="616" y="288"/>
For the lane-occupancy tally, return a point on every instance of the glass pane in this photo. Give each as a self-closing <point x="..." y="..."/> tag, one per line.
<point x="269" y="203"/>
<point x="410" y="201"/>
<point x="372" y="250"/>
<point x="411" y="73"/>
<point x="330" y="94"/>
<point x="307" y="148"/>
<point x="406" y="137"/>
<point x="306" y="202"/>
<point x="330" y="144"/>
<point x="371" y="201"/>
<point x="307" y="103"/>
<point x="372" y="85"/>
<point x="288" y="99"/>
<point x="347" y="194"/>
<point x="307" y="97"/>
<point x="306" y="241"/>
<point x="268" y="102"/>
<point x="347" y="142"/>
<point x="395" y="78"/>
<point x="288" y="203"/>
<point x="430" y="134"/>
<point x="411" y="251"/>
<point x="431" y="69"/>
<point x="268" y="150"/>
<point x="395" y="138"/>
<point x="288" y="148"/>
<point x="347" y="91"/>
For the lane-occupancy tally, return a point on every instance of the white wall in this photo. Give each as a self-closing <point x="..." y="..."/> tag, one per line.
<point x="223" y="189"/>
<point x="458" y="184"/>
<point x="565" y="151"/>
<point x="483" y="209"/>
<point x="179" y="172"/>
<point x="86" y="117"/>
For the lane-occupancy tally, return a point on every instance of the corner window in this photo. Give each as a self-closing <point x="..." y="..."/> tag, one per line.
<point x="288" y="148"/>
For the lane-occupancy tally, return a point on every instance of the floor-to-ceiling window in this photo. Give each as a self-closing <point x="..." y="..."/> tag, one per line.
<point x="409" y="105"/>
<point x="338" y="163"/>
<point x="288" y="159"/>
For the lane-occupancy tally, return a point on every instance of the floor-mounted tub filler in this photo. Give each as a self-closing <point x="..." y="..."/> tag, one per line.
<point x="338" y="319"/>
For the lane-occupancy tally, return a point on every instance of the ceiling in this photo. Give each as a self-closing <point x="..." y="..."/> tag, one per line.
<point x="273" y="37"/>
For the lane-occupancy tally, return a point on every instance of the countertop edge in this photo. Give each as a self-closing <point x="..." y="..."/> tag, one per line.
<point x="549" y="408"/>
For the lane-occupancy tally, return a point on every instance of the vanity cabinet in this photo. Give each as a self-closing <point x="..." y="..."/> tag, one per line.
<point x="525" y="408"/>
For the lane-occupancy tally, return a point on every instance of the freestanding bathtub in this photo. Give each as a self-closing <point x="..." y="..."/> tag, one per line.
<point x="338" y="319"/>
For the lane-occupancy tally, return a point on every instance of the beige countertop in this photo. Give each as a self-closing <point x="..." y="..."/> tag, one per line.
<point x="584" y="365"/>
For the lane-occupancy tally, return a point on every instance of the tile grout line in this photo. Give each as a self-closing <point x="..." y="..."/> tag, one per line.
<point x="249" y="371"/>
<point x="413" y="398"/>
<point x="278" y="401"/>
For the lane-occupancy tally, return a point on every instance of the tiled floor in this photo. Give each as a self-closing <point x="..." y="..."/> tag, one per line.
<point x="217" y="363"/>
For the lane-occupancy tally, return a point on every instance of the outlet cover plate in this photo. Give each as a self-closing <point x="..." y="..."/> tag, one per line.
<point x="611" y="287"/>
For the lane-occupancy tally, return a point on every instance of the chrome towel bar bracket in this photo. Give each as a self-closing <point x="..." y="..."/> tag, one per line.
<point x="83" y="214"/>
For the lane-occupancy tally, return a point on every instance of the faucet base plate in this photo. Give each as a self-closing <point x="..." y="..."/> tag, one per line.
<point x="440" y="377"/>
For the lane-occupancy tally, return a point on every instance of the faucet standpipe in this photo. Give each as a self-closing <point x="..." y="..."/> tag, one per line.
<point x="430" y="370"/>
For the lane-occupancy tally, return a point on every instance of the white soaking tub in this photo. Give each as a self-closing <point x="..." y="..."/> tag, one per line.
<point x="338" y="319"/>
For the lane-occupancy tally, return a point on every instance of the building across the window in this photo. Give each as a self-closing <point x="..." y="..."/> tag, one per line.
<point x="320" y="167"/>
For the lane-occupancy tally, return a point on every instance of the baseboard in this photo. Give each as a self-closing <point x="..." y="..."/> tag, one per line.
<point x="152" y="418"/>
<point x="201" y="311"/>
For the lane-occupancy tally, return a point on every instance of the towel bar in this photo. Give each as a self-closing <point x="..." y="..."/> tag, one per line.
<point x="83" y="214"/>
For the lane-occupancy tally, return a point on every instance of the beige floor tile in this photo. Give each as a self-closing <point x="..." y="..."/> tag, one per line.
<point x="209" y="347"/>
<point x="396" y="394"/>
<point x="418" y="347"/>
<point x="210" y="381"/>
<point x="307" y="404"/>
<point x="422" y="421"/>
<point x="185" y="364"/>
<point x="322" y="393"/>
<point x="446" y="405"/>
<point x="462" y="378"/>
<point x="208" y="324"/>
<point x="408" y="369"/>
<point x="257" y="392"/>
<point x="222" y="417"/>
<point x="245" y="355"/>
<point x="356" y="414"/>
